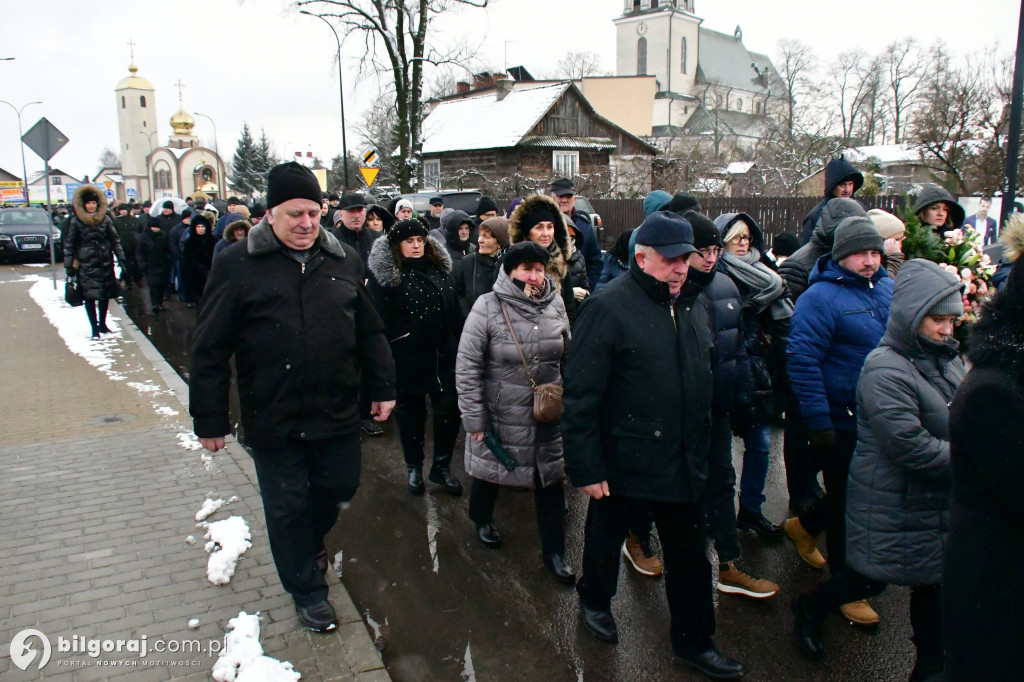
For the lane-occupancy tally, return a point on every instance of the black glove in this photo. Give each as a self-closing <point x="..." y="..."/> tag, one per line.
<point x="743" y="418"/>
<point x="70" y="272"/>
<point x="823" y="441"/>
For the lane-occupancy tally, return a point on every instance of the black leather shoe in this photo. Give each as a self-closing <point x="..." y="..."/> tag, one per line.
<point x="753" y="522"/>
<point x="489" y="536"/>
<point x="808" y="630"/>
<point x="600" y="623"/>
<point x="371" y="428"/>
<point x="104" y="330"/>
<point x="445" y="479"/>
<point x="560" y="568"/>
<point x="317" y="617"/>
<point x="714" y="664"/>
<point x="416" y="486"/>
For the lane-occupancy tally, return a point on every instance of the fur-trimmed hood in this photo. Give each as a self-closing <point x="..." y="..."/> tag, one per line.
<point x="558" y="266"/>
<point x="997" y="338"/>
<point x="78" y="202"/>
<point x="261" y="241"/>
<point x="381" y="262"/>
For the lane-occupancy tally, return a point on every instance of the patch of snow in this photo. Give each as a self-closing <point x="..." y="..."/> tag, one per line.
<point x="164" y="410"/>
<point x="242" y="659"/>
<point x="228" y="540"/>
<point x="188" y="440"/>
<point x="338" y="564"/>
<point x="433" y="524"/>
<point x="374" y="625"/>
<point x="468" y="674"/>
<point x="193" y="624"/>
<point x="211" y="506"/>
<point x="191" y="539"/>
<point x="148" y="387"/>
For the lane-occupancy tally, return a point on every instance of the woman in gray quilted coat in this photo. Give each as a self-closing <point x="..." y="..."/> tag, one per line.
<point x="496" y="398"/>
<point x="899" y="494"/>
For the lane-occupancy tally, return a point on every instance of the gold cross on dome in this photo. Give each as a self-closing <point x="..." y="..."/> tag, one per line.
<point x="180" y="86"/>
<point x="131" y="48"/>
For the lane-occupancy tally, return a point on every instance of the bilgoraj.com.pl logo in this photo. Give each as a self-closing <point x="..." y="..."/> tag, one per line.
<point x="32" y="648"/>
<point x="22" y="652"/>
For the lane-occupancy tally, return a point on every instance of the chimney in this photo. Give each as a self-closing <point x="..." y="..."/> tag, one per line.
<point x="309" y="155"/>
<point x="504" y="87"/>
<point x="482" y="80"/>
<point x="462" y="87"/>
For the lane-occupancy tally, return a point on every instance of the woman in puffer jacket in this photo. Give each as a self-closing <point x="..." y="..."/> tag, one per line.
<point x="496" y="398"/>
<point x="89" y="250"/>
<point x="898" y="499"/>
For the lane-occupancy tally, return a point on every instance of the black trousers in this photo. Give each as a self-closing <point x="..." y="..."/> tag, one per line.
<point x="829" y="513"/>
<point x="801" y="465"/>
<point x="411" y="415"/>
<point x="90" y="311"/>
<point x="687" y="571"/>
<point x="157" y="282"/>
<point x="720" y="492"/>
<point x="549" y="503"/>
<point x="925" y="614"/>
<point x="302" y="486"/>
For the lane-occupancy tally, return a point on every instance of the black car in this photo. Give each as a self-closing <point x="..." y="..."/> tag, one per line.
<point x="26" y="232"/>
<point x="461" y="200"/>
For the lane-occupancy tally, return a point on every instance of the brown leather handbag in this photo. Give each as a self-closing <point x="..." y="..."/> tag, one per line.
<point x="547" y="398"/>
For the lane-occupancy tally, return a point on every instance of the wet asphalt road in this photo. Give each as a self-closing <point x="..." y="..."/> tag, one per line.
<point x="442" y="607"/>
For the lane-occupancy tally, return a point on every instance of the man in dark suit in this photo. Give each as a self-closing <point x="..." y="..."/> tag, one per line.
<point x="982" y="223"/>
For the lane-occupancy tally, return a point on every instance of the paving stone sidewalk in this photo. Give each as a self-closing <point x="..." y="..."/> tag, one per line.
<point x="100" y="487"/>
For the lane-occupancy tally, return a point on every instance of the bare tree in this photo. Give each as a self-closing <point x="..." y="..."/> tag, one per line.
<point x="577" y="65"/>
<point x="377" y="129"/>
<point x="109" y="158"/>
<point x="850" y="75"/>
<point x="400" y="29"/>
<point x="795" y="68"/>
<point x="905" y="69"/>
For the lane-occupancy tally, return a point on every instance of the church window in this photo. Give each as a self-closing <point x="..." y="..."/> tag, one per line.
<point x="682" y="59"/>
<point x="641" y="57"/>
<point x="122" y="101"/>
<point x="739" y="103"/>
<point x="142" y="101"/>
<point x="757" y="106"/>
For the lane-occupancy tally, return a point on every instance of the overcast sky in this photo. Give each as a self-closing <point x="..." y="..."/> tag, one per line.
<point x="260" y="61"/>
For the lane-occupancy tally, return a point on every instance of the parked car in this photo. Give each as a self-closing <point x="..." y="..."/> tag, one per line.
<point x="584" y="206"/>
<point x="26" y="232"/>
<point x="462" y="200"/>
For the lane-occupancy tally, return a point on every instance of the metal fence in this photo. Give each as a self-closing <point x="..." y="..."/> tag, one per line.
<point x="772" y="214"/>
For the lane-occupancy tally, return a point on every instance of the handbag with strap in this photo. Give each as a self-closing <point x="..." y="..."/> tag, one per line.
<point x="73" y="292"/>
<point x="547" y="398"/>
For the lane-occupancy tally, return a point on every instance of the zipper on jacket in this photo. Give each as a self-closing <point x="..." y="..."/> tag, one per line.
<point x="672" y="312"/>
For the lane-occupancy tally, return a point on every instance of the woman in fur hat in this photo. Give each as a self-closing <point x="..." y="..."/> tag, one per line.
<point x="411" y="287"/>
<point x="89" y="252"/>
<point x="981" y="590"/>
<point x="538" y="219"/>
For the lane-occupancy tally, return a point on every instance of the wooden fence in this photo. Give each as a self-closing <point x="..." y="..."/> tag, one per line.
<point x="772" y="214"/>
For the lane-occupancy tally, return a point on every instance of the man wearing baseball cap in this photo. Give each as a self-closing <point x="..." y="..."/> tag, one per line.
<point x="289" y="304"/>
<point x="638" y="392"/>
<point x="353" y="230"/>
<point x="434" y="214"/>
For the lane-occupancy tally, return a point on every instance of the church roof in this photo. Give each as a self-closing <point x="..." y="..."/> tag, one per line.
<point x="723" y="60"/>
<point x="730" y="122"/>
<point x="133" y="81"/>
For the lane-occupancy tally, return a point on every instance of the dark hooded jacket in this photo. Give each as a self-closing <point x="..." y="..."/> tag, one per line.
<point x="448" y="234"/>
<point x="385" y="217"/>
<point x="558" y="265"/>
<point x="931" y="194"/>
<point x="835" y="325"/>
<point x="128" y="229"/>
<point x="153" y="257"/>
<point x="980" y="587"/>
<point x="197" y="259"/>
<point x="362" y="241"/>
<point x="588" y="246"/>
<point x="898" y="496"/>
<point x="837" y="171"/>
<point x="616" y="261"/>
<point x="93" y="242"/>
<point x="304" y="336"/>
<point x="637" y="399"/>
<point x="421" y="313"/>
<point x="797" y="268"/>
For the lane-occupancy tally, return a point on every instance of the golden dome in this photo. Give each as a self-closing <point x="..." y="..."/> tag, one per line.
<point x="133" y="81"/>
<point x="182" y="123"/>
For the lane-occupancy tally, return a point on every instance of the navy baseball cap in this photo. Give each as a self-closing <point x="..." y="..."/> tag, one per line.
<point x="667" y="233"/>
<point x="437" y="201"/>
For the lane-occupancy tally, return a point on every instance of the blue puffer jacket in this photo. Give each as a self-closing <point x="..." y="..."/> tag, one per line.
<point x="836" y="323"/>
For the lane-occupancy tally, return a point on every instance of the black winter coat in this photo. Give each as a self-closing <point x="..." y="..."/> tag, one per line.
<point x="837" y="171"/>
<point x="153" y="257"/>
<point x="196" y="261"/>
<point x="305" y="337"/>
<point x="128" y="229"/>
<point x="578" y="270"/>
<point x="422" y="316"/>
<point x="638" y="391"/>
<point x="475" y="276"/>
<point x="93" y="242"/>
<point x="362" y="241"/>
<point x="731" y="369"/>
<point x="980" y="587"/>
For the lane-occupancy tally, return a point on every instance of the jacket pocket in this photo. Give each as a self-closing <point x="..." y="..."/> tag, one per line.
<point x="638" y="443"/>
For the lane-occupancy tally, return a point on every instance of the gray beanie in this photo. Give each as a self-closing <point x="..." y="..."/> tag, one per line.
<point x="855" y="234"/>
<point x="950" y="304"/>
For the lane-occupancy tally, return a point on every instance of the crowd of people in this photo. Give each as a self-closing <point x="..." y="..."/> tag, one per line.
<point x="625" y="374"/>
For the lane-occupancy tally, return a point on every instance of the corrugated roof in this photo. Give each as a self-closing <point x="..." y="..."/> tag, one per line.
<point x="886" y="153"/>
<point x="723" y="60"/>
<point x="569" y="142"/>
<point x="485" y="122"/>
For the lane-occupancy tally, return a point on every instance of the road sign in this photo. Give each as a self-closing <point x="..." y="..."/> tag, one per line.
<point x="369" y="175"/>
<point x="130" y="192"/>
<point x="369" y="158"/>
<point x="44" y="139"/>
<point x="110" y="194"/>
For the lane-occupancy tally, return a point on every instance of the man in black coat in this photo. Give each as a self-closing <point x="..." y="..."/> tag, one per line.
<point x="842" y="179"/>
<point x="127" y="227"/>
<point x="289" y="303"/>
<point x="353" y="230"/>
<point x="564" y="194"/>
<point x="638" y="394"/>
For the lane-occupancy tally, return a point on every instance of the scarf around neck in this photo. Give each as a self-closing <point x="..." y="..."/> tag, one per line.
<point x="765" y="289"/>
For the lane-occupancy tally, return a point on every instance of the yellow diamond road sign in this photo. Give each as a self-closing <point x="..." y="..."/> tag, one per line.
<point x="369" y="175"/>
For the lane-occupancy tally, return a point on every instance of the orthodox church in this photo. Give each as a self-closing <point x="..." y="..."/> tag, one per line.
<point x="150" y="170"/>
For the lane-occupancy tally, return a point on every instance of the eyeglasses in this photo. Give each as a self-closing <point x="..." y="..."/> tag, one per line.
<point x="741" y="238"/>
<point x="709" y="252"/>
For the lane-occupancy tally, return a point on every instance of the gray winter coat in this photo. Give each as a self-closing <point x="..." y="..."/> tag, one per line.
<point x="898" y="495"/>
<point x="494" y="390"/>
<point x="797" y="268"/>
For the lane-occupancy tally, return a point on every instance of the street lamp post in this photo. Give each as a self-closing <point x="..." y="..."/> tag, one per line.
<point x="216" y="150"/>
<point x="149" y="141"/>
<point x="341" y="94"/>
<point x="21" y="145"/>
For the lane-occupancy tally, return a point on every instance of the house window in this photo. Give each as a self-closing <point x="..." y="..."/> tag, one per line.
<point x="641" y="57"/>
<point x="142" y="101"/>
<point x="55" y="180"/>
<point x="122" y="101"/>
<point x="432" y="174"/>
<point x="682" y="66"/>
<point x="757" y="106"/>
<point x="565" y="164"/>
<point x="739" y="104"/>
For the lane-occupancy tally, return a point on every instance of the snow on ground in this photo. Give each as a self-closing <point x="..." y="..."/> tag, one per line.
<point x="433" y="525"/>
<point x="228" y="540"/>
<point x="242" y="659"/>
<point x="211" y="506"/>
<point x="468" y="673"/>
<point x="188" y="440"/>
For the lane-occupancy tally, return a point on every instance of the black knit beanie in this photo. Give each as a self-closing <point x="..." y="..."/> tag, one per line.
<point x="168" y="204"/>
<point x="403" y="229"/>
<point x="486" y="205"/>
<point x="705" y="233"/>
<point x="524" y="252"/>
<point x="292" y="181"/>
